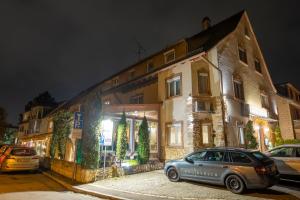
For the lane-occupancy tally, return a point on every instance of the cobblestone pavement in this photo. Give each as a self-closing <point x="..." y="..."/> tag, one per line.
<point x="26" y="186"/>
<point x="155" y="185"/>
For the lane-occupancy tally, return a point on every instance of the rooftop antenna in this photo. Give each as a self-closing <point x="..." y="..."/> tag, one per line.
<point x="140" y="49"/>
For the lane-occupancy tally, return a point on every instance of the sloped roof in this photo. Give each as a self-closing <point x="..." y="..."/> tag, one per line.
<point x="202" y="41"/>
<point x="213" y="35"/>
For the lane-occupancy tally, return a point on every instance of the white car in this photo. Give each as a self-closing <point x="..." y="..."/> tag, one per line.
<point x="287" y="159"/>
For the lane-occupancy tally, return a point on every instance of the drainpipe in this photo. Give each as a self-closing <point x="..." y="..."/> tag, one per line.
<point x="222" y="100"/>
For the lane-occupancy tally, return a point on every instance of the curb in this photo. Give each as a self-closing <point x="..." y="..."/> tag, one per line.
<point x="86" y="192"/>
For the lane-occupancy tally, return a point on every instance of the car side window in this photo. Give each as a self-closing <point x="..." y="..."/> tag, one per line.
<point x="199" y="156"/>
<point x="214" y="156"/>
<point x="238" y="157"/>
<point x="298" y="152"/>
<point x="226" y="157"/>
<point x="282" y="152"/>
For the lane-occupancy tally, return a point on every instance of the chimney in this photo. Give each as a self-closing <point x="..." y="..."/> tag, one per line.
<point x="205" y="23"/>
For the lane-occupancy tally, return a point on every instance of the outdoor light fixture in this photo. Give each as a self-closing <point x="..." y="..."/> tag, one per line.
<point x="256" y="127"/>
<point x="266" y="129"/>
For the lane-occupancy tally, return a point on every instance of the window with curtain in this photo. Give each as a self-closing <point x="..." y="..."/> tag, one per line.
<point x="174" y="133"/>
<point x="174" y="86"/>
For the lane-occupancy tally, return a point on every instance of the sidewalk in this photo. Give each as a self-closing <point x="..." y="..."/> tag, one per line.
<point x="154" y="185"/>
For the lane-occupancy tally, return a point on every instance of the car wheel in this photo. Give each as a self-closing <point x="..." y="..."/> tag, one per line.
<point x="173" y="174"/>
<point x="235" y="184"/>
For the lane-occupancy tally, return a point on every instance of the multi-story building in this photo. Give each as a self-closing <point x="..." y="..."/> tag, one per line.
<point x="198" y="92"/>
<point x="288" y="105"/>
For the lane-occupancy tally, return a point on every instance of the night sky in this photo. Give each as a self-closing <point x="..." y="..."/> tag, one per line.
<point x="65" y="46"/>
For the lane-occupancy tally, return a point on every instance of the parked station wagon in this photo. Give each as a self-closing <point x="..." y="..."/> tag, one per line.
<point x="237" y="169"/>
<point x="17" y="158"/>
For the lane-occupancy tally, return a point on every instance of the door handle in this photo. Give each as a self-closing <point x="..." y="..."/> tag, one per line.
<point x="224" y="166"/>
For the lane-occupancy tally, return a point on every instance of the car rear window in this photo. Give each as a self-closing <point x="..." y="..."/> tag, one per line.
<point x="240" y="157"/>
<point x="259" y="156"/>
<point x="23" y="152"/>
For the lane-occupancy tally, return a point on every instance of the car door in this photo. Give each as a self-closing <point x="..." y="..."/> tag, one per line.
<point x="212" y="168"/>
<point x="190" y="168"/>
<point x="286" y="160"/>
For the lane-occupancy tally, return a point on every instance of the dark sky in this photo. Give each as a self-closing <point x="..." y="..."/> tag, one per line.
<point x="65" y="46"/>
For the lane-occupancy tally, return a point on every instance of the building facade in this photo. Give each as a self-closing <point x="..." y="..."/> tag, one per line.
<point x="288" y="105"/>
<point x="199" y="92"/>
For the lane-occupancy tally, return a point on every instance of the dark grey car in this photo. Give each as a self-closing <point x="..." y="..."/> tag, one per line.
<point x="237" y="169"/>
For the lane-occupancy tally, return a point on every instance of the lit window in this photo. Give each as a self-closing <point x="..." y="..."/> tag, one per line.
<point x="174" y="133"/>
<point x="203" y="83"/>
<point x="243" y="55"/>
<point x="169" y="56"/>
<point x="238" y="89"/>
<point x="241" y="135"/>
<point x="137" y="99"/>
<point x="205" y="133"/>
<point x="264" y="100"/>
<point x="150" y="67"/>
<point x="174" y="86"/>
<point x="115" y="82"/>
<point x="257" y="65"/>
<point x="50" y="125"/>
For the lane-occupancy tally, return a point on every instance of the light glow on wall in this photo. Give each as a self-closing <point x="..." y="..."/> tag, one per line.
<point x="261" y="112"/>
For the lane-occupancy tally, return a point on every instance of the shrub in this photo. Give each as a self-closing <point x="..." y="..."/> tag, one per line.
<point x="144" y="142"/>
<point x="251" y="142"/>
<point x="121" y="139"/>
<point x="278" y="137"/>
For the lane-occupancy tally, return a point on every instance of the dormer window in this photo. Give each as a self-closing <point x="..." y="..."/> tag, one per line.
<point x="169" y="56"/>
<point x="257" y="66"/>
<point x="150" y="67"/>
<point x="131" y="74"/>
<point x="243" y="55"/>
<point x="115" y="82"/>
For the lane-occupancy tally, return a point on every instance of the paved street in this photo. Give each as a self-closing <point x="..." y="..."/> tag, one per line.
<point x="155" y="185"/>
<point x="20" y="186"/>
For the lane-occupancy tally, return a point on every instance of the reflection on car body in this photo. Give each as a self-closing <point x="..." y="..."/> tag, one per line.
<point x="16" y="158"/>
<point x="287" y="159"/>
<point x="238" y="169"/>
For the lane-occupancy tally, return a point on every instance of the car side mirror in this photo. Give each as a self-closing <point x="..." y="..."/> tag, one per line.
<point x="189" y="160"/>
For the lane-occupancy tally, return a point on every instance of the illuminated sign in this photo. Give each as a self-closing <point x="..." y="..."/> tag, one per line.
<point x="78" y="120"/>
<point x="106" y="133"/>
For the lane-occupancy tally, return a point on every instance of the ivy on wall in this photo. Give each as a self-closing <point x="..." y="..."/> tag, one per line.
<point x="144" y="143"/>
<point x="61" y="131"/>
<point x="92" y="110"/>
<point x="121" y="138"/>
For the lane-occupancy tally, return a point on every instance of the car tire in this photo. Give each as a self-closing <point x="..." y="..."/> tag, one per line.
<point x="235" y="184"/>
<point x="172" y="174"/>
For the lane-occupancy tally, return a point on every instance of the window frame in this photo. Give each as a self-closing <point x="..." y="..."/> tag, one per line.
<point x="263" y="97"/>
<point x="168" y="134"/>
<point x="243" y="50"/>
<point x="208" y="89"/>
<point x="136" y="97"/>
<point x="166" y="55"/>
<point x="209" y="134"/>
<point x="239" y="82"/>
<point x="168" y="96"/>
<point x="256" y="60"/>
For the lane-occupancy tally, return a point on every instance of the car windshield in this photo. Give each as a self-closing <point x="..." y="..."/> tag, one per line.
<point x="23" y="152"/>
<point x="260" y="156"/>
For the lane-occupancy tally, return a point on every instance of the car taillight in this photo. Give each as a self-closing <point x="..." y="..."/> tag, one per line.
<point x="261" y="170"/>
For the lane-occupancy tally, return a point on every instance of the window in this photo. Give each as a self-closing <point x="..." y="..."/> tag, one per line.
<point x="199" y="156"/>
<point x="240" y="157"/>
<point x="206" y="129"/>
<point x="257" y="66"/>
<point x="214" y="156"/>
<point x="203" y="106"/>
<point x="241" y="134"/>
<point x="50" y="126"/>
<point x="297" y="152"/>
<point x="131" y="74"/>
<point x="150" y="67"/>
<point x="115" y="82"/>
<point x="137" y="99"/>
<point x="264" y="100"/>
<point x="169" y="56"/>
<point x="238" y="89"/>
<point x="247" y="33"/>
<point x="174" y="133"/>
<point x="243" y="55"/>
<point x="282" y="152"/>
<point x="203" y="83"/>
<point x="258" y="155"/>
<point x="174" y="86"/>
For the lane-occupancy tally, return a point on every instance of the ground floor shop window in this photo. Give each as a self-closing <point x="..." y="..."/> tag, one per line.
<point x="206" y="133"/>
